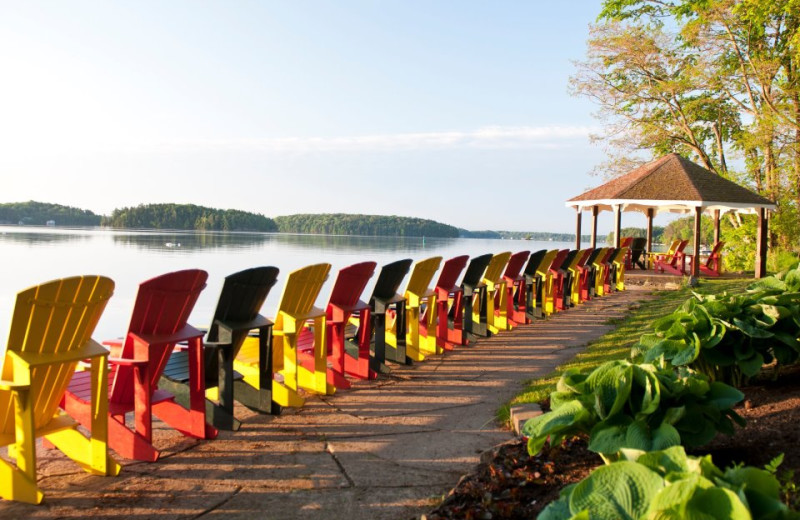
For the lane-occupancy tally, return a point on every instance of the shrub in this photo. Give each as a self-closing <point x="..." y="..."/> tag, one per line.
<point x="668" y="484"/>
<point x="624" y="405"/>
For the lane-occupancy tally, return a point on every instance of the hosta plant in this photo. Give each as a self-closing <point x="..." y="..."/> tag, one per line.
<point x="638" y="406"/>
<point x="668" y="484"/>
<point x="730" y="337"/>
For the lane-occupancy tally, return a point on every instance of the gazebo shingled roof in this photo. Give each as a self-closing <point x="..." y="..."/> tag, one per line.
<point x="671" y="184"/>
<point x="676" y="185"/>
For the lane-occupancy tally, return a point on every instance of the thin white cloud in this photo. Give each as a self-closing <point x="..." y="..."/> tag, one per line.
<point x="490" y="137"/>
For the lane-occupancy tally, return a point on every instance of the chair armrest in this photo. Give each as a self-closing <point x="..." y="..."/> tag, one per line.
<point x="186" y="333"/>
<point x="10" y="386"/>
<point x="90" y="350"/>
<point x="128" y="362"/>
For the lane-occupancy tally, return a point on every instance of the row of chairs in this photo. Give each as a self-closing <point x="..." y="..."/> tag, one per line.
<point x="55" y="378"/>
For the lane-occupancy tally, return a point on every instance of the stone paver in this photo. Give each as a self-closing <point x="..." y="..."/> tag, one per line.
<point x="386" y="449"/>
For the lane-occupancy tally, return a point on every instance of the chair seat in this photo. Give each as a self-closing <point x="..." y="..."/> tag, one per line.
<point x="80" y="387"/>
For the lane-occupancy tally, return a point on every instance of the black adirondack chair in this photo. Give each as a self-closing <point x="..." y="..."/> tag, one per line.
<point x="638" y="247"/>
<point x="474" y="291"/>
<point x="385" y="296"/>
<point x="533" y="285"/>
<point x="237" y="314"/>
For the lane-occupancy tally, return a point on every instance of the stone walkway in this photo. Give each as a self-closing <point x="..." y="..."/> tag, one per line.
<point x="386" y="449"/>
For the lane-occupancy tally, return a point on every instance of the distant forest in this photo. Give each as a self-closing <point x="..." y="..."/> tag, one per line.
<point x="200" y="218"/>
<point x="375" y="225"/>
<point x="540" y="236"/>
<point x="39" y="213"/>
<point x="187" y="216"/>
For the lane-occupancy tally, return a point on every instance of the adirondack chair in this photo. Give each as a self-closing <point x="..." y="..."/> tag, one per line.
<point x="602" y="264"/>
<point x="345" y="301"/>
<point x="449" y="299"/>
<point x="495" y="301"/>
<point x="417" y="294"/>
<point x="384" y="297"/>
<point x="637" y="251"/>
<point x="516" y="289"/>
<point x="713" y="265"/>
<point x="532" y="284"/>
<point x="538" y="274"/>
<point x="580" y="277"/>
<point x="591" y="267"/>
<point x="617" y="279"/>
<point x="50" y="332"/>
<point x="674" y="264"/>
<point x="474" y="294"/>
<point x="563" y="281"/>
<point x="554" y="279"/>
<point x="570" y="268"/>
<point x="158" y="323"/>
<point x="294" y="369"/>
<point x="236" y="315"/>
<point x="653" y="256"/>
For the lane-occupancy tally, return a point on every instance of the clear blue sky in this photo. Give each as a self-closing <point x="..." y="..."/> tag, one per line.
<point x="454" y="110"/>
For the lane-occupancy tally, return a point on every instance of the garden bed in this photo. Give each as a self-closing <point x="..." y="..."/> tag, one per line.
<point x="509" y="484"/>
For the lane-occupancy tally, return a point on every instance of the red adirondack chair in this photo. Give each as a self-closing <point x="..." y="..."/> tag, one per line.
<point x="516" y="299"/>
<point x="449" y="301"/>
<point x="712" y="265"/>
<point x="554" y="289"/>
<point x="158" y="323"/>
<point x="344" y="302"/>
<point x="670" y="263"/>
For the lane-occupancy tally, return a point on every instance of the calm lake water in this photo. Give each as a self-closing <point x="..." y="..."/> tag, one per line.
<point x="35" y="255"/>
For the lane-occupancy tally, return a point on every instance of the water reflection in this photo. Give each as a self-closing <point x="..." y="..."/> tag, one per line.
<point x="361" y="243"/>
<point x="178" y="242"/>
<point x="38" y="237"/>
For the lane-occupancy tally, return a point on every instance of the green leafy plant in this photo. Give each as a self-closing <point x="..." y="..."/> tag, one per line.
<point x="668" y="484"/>
<point x="730" y="337"/>
<point x="625" y="405"/>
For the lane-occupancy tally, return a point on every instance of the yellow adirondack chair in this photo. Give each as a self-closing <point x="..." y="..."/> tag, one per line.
<point x="544" y="296"/>
<point x="295" y="311"/>
<point x="618" y="260"/>
<point x="496" y="294"/>
<point x="418" y="292"/>
<point x="50" y="332"/>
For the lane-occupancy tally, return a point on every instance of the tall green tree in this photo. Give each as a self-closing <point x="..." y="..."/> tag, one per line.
<point x="715" y="80"/>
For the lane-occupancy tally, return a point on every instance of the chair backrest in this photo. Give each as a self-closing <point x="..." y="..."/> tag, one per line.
<point x="639" y="244"/>
<point x="625" y="242"/>
<point x="450" y="272"/>
<point x="678" y="251"/>
<point x="55" y="317"/>
<point x="349" y="285"/>
<point x="420" y="280"/>
<point x="572" y="259"/>
<point x="594" y="255"/>
<point x="241" y="299"/>
<point x="533" y="262"/>
<point x="494" y="271"/>
<point x="162" y="307"/>
<point x="301" y="290"/>
<point x="546" y="262"/>
<point x="673" y="247"/>
<point x="477" y="266"/>
<point x="714" y="253"/>
<point x="583" y="257"/>
<point x="558" y="260"/>
<point x="515" y="263"/>
<point x="389" y="280"/>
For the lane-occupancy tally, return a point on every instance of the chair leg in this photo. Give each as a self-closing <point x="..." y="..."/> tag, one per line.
<point x="20" y="483"/>
<point x="16" y="485"/>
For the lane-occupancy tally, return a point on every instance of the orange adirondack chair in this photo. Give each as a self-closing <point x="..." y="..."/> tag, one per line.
<point x="158" y="323"/>
<point x="345" y="301"/>
<point x="602" y="277"/>
<point x="516" y="289"/>
<point x="449" y="301"/>
<point x="670" y="263"/>
<point x="50" y="332"/>
<point x="236" y="315"/>
<point x="580" y="277"/>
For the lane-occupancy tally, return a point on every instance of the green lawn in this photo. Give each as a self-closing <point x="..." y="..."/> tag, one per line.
<point x="617" y="343"/>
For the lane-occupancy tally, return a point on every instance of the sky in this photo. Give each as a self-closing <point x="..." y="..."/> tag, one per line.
<point x="452" y="110"/>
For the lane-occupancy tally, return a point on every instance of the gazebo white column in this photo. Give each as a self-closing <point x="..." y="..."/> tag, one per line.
<point x="594" y="226"/>
<point x="617" y="223"/>
<point x="577" y="228"/>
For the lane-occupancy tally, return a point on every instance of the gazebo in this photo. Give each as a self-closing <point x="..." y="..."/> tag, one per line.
<point x="676" y="185"/>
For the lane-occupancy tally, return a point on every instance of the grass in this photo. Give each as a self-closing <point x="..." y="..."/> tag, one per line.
<point x="617" y="343"/>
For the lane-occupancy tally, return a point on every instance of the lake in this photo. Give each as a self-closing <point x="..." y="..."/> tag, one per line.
<point x="32" y="255"/>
